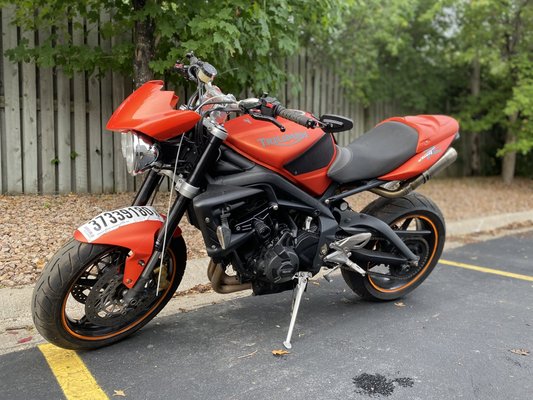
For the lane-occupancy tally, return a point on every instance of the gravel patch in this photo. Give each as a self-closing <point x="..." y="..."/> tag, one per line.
<point x="33" y="227"/>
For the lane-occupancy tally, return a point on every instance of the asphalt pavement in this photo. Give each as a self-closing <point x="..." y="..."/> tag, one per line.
<point x="462" y="334"/>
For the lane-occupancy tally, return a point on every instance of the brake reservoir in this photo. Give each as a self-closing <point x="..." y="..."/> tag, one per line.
<point x="207" y="73"/>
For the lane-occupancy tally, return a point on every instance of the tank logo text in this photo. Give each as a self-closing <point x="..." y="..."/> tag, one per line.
<point x="287" y="139"/>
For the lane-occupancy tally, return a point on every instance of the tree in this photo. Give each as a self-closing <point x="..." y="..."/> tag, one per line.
<point x="472" y="59"/>
<point x="393" y="50"/>
<point x="495" y="39"/>
<point x="246" y="40"/>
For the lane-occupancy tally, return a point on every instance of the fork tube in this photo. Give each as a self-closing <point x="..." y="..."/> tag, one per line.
<point x="150" y="183"/>
<point x="195" y="179"/>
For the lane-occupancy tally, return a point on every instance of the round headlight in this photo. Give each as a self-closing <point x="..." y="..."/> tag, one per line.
<point x="138" y="152"/>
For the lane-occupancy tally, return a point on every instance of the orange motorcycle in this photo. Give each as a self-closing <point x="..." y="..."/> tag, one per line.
<point x="266" y="186"/>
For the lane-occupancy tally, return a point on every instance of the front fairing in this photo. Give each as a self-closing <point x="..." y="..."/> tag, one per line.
<point x="151" y="111"/>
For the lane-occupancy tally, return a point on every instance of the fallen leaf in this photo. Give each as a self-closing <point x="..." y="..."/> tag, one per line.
<point x="248" y="355"/>
<point x="316" y="283"/>
<point x="25" y="340"/>
<point x="119" y="393"/>
<point x="279" y="353"/>
<point x="400" y="304"/>
<point x="200" y="288"/>
<point x="520" y="352"/>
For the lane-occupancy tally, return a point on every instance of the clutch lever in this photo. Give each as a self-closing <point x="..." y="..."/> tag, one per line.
<point x="266" y="118"/>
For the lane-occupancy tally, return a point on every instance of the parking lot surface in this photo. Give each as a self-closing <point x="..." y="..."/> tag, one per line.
<point x="464" y="333"/>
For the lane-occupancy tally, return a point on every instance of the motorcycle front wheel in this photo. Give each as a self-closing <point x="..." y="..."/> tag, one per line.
<point x="77" y="301"/>
<point x="425" y="235"/>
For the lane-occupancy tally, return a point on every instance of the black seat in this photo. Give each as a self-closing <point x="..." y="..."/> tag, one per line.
<point x="380" y="150"/>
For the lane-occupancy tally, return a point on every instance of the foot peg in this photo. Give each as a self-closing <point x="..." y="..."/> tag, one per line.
<point x="302" y="278"/>
<point x="352" y="242"/>
<point x="343" y="248"/>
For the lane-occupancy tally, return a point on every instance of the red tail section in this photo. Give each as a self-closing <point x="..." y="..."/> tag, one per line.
<point x="435" y="135"/>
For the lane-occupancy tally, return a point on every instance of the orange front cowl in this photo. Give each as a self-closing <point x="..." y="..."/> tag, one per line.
<point x="151" y="111"/>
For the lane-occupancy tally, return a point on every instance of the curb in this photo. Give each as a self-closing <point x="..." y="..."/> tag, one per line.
<point x="16" y="326"/>
<point x="489" y="223"/>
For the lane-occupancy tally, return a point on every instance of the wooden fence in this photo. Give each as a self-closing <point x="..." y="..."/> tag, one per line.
<point x="52" y="127"/>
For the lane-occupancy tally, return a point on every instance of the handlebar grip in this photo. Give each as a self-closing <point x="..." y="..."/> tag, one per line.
<point x="296" y="116"/>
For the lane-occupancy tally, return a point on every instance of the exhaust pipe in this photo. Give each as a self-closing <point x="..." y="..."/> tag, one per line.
<point x="446" y="160"/>
<point x="222" y="282"/>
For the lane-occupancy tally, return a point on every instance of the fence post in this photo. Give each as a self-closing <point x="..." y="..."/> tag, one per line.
<point x="46" y="97"/>
<point x="13" y="150"/>
<point x="64" y="148"/>
<point x="80" y="115"/>
<point x="30" y="166"/>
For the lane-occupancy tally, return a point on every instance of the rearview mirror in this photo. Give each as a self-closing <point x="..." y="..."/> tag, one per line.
<point x="335" y="123"/>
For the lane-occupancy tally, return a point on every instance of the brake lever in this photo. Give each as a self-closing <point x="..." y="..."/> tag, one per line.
<point x="265" y="118"/>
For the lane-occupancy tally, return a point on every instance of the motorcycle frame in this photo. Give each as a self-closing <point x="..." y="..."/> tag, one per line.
<point x="260" y="176"/>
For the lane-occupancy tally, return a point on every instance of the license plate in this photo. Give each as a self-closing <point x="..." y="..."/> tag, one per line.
<point x="111" y="220"/>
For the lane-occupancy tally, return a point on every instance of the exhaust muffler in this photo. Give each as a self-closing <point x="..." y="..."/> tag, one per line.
<point x="446" y="160"/>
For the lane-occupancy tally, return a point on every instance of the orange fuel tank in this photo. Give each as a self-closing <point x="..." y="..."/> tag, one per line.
<point x="299" y="154"/>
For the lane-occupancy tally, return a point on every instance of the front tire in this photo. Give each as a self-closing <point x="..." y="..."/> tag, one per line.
<point x="76" y="301"/>
<point x="411" y="212"/>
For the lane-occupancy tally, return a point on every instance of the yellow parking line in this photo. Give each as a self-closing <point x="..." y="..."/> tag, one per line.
<point x="488" y="270"/>
<point x="71" y="373"/>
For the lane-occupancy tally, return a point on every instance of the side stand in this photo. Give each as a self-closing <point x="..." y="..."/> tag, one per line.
<point x="302" y="277"/>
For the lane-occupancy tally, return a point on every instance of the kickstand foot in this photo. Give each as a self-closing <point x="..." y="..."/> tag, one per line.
<point x="302" y="278"/>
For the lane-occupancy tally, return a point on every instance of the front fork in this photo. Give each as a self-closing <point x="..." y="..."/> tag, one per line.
<point x="187" y="190"/>
<point x="148" y="187"/>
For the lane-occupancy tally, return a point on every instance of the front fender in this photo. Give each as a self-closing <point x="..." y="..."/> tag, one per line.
<point x="133" y="228"/>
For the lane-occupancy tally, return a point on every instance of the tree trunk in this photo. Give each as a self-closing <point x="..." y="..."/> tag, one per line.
<point x="144" y="38"/>
<point x="509" y="159"/>
<point x="475" y="153"/>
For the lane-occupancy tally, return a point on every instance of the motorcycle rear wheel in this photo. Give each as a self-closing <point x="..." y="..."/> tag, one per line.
<point x="76" y="301"/>
<point x="411" y="212"/>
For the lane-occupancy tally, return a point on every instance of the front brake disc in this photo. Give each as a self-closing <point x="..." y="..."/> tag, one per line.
<point x="104" y="305"/>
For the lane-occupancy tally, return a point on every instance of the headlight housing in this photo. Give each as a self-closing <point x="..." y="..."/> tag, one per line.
<point x="139" y="152"/>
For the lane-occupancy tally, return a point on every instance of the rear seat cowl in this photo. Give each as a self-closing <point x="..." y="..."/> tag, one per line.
<point x="431" y="128"/>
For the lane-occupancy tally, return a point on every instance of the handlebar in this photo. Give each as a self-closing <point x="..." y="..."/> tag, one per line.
<point x="296" y="116"/>
<point x="266" y="108"/>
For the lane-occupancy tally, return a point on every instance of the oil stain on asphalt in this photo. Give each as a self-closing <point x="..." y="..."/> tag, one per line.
<point x="379" y="385"/>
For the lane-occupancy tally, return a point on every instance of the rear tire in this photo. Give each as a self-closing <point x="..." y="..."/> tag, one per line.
<point x="413" y="207"/>
<point x="61" y="282"/>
